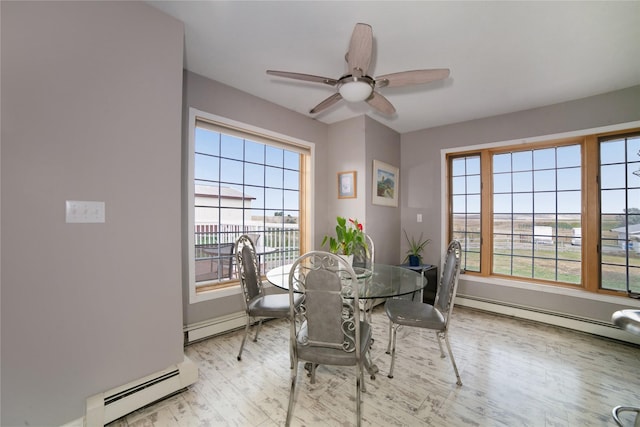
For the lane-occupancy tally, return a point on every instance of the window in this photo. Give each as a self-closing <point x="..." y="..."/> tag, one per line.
<point x="536" y="206"/>
<point x="620" y="213"/>
<point x="520" y="211"/>
<point x="465" y="208"/>
<point x="243" y="182"/>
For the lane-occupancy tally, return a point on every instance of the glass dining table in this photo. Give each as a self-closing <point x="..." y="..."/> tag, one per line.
<point x="381" y="281"/>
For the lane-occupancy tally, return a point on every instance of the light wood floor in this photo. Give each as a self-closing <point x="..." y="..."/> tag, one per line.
<point x="514" y="373"/>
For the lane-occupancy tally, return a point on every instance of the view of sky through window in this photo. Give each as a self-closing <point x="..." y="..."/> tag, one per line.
<point x="270" y="175"/>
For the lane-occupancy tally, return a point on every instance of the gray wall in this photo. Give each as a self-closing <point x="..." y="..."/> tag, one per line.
<point x="215" y="98"/>
<point x="383" y="222"/>
<point x="353" y="145"/>
<point x="344" y="146"/>
<point x="91" y="102"/>
<point x="422" y="186"/>
<point x="91" y="110"/>
<point x="346" y="152"/>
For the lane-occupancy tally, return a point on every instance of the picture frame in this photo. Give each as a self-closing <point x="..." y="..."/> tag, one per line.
<point x="347" y="188"/>
<point x="385" y="184"/>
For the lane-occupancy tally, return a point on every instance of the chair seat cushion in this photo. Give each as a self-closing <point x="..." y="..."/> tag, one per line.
<point x="272" y="305"/>
<point x="414" y="313"/>
<point x="333" y="356"/>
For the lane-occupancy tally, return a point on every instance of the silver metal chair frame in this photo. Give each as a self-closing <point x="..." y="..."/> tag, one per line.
<point x="627" y="320"/>
<point x="367" y="304"/>
<point x="256" y="303"/>
<point x="326" y="328"/>
<point x="418" y="314"/>
<point x="372" y="248"/>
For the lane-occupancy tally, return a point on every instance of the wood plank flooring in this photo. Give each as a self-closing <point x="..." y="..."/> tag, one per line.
<point x="514" y="373"/>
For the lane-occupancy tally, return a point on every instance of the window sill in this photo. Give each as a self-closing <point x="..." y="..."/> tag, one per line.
<point x="223" y="292"/>
<point x="557" y="290"/>
<point x="213" y="294"/>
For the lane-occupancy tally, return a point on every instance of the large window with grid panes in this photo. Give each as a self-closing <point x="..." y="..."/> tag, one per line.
<point x="563" y="212"/>
<point x="243" y="182"/>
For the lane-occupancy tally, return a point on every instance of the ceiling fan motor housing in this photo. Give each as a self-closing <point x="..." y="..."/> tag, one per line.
<point x="355" y="89"/>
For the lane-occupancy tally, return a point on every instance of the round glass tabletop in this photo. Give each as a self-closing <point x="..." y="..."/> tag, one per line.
<point x="382" y="281"/>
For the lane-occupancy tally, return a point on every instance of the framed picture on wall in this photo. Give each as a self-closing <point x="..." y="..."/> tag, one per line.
<point x="347" y="185"/>
<point x="385" y="184"/>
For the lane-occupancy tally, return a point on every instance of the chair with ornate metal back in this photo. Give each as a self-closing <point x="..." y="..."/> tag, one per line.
<point x="627" y="320"/>
<point x="328" y="329"/>
<point x="364" y="256"/>
<point x="436" y="317"/>
<point x="257" y="303"/>
<point x="254" y="238"/>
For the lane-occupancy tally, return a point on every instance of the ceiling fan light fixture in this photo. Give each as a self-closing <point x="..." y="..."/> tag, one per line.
<point x="357" y="85"/>
<point x="355" y="90"/>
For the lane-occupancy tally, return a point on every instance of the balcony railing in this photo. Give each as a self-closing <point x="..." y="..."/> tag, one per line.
<point x="214" y="251"/>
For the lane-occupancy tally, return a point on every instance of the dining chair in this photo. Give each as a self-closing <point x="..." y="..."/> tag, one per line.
<point x="257" y="303"/>
<point x="328" y="329"/>
<point x="402" y="312"/>
<point x="254" y="238"/>
<point x="627" y="320"/>
<point x="365" y="257"/>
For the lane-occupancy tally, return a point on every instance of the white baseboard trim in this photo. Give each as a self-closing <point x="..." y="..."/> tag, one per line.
<point x="75" y="423"/>
<point x="105" y="407"/>
<point x="558" y="319"/>
<point x="208" y="328"/>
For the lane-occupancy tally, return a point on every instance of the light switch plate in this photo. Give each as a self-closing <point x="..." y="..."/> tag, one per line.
<point x="419" y="218"/>
<point x="84" y="212"/>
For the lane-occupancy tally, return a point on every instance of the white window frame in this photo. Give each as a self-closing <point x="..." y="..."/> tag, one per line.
<point x="194" y="114"/>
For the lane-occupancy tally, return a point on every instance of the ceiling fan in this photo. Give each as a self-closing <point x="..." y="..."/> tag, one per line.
<point x="356" y="85"/>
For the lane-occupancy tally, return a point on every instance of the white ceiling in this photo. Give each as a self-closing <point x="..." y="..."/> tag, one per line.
<point x="503" y="56"/>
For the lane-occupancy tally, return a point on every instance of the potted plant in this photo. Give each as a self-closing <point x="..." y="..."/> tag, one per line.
<point x="349" y="236"/>
<point x="414" y="254"/>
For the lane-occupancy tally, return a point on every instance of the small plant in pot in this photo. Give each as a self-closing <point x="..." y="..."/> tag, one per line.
<point x="414" y="254"/>
<point x="349" y="236"/>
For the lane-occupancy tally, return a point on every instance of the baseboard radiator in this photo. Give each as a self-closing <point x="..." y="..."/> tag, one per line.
<point x="581" y="324"/>
<point x="212" y="327"/>
<point x="105" y="407"/>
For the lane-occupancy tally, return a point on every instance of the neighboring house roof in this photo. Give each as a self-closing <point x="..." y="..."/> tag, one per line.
<point x="633" y="229"/>
<point x="223" y="193"/>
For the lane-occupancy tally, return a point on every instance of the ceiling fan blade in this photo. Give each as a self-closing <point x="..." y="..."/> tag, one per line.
<point x="305" y="77"/>
<point x="360" y="48"/>
<point x="415" y="77"/>
<point x="381" y="104"/>
<point x="326" y="103"/>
